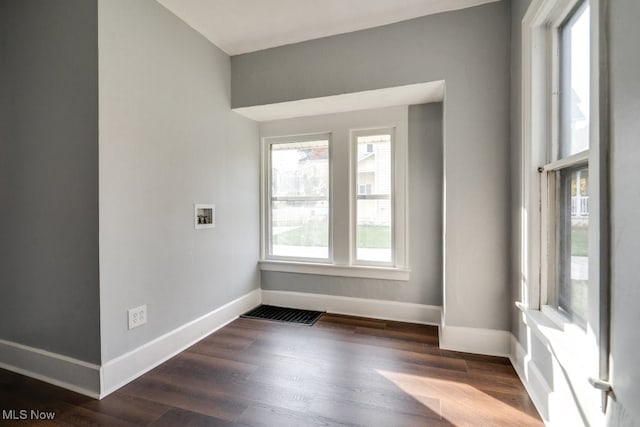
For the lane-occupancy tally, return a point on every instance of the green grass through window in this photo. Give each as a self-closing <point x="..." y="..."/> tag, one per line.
<point x="579" y="241"/>
<point x="369" y="236"/>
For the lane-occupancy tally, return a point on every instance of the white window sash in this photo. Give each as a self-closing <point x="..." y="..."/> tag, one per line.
<point x="268" y="198"/>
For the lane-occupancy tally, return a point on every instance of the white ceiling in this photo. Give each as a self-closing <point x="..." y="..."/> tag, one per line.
<point x="241" y="26"/>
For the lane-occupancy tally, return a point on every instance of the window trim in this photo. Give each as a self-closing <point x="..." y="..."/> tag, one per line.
<point x="360" y="271"/>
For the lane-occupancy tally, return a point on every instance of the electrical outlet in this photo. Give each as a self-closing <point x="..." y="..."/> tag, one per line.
<point x="137" y="316"/>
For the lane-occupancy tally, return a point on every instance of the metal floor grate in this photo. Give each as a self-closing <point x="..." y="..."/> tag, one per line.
<point x="282" y="314"/>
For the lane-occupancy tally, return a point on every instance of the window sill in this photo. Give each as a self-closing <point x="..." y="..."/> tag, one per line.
<point x="574" y="350"/>
<point x="365" y="272"/>
<point x="571" y="345"/>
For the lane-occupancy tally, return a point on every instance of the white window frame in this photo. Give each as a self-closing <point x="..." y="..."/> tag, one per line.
<point x="340" y="127"/>
<point x="267" y="197"/>
<point x="354" y="135"/>
<point x="582" y="354"/>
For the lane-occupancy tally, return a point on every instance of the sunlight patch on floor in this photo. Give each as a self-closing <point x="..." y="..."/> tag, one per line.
<point x="458" y="402"/>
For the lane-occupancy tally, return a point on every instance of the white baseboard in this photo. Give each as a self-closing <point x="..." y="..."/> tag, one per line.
<point x="533" y="380"/>
<point x="491" y="342"/>
<point x="53" y="368"/>
<point x="377" y="309"/>
<point x="124" y="369"/>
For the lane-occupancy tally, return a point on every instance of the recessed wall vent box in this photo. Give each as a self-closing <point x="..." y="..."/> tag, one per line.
<point x="204" y="216"/>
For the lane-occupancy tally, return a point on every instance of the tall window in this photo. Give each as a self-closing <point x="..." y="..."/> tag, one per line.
<point x="298" y="214"/>
<point x="374" y="203"/>
<point x="564" y="206"/>
<point x="568" y="171"/>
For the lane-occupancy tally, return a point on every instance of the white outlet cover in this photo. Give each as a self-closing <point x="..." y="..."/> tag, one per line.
<point x="137" y="316"/>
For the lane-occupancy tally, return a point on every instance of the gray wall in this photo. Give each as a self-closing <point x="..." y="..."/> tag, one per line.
<point x="469" y="49"/>
<point x="625" y="204"/>
<point x="168" y="139"/>
<point x="49" y="291"/>
<point x="425" y="225"/>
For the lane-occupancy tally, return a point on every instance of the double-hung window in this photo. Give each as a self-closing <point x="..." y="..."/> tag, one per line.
<point x="567" y="173"/>
<point x="373" y="166"/>
<point x="298" y="198"/>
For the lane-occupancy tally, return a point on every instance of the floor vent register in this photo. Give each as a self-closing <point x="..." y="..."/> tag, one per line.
<point x="282" y="314"/>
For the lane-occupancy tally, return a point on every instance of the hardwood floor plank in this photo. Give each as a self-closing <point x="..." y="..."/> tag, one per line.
<point x="230" y="341"/>
<point x="260" y="415"/>
<point x="128" y="408"/>
<point x="79" y="416"/>
<point x="398" y="335"/>
<point x="177" y="392"/>
<point x="183" y="418"/>
<point x="520" y="402"/>
<point x="198" y="364"/>
<point x="350" y="321"/>
<point x="370" y="415"/>
<point x="431" y="330"/>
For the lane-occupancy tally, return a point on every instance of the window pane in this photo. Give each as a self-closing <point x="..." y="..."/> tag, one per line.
<point x="300" y="169"/>
<point x="373" y="208"/>
<point x="573" y="243"/>
<point x="374" y="163"/>
<point x="300" y="199"/>
<point x="374" y="231"/>
<point x="300" y="229"/>
<point x="574" y="83"/>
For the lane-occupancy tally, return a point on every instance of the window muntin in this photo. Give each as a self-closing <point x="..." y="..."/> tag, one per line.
<point x="299" y="207"/>
<point x="374" y="216"/>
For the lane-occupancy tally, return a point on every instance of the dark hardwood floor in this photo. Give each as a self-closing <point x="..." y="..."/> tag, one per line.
<point x="342" y="371"/>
